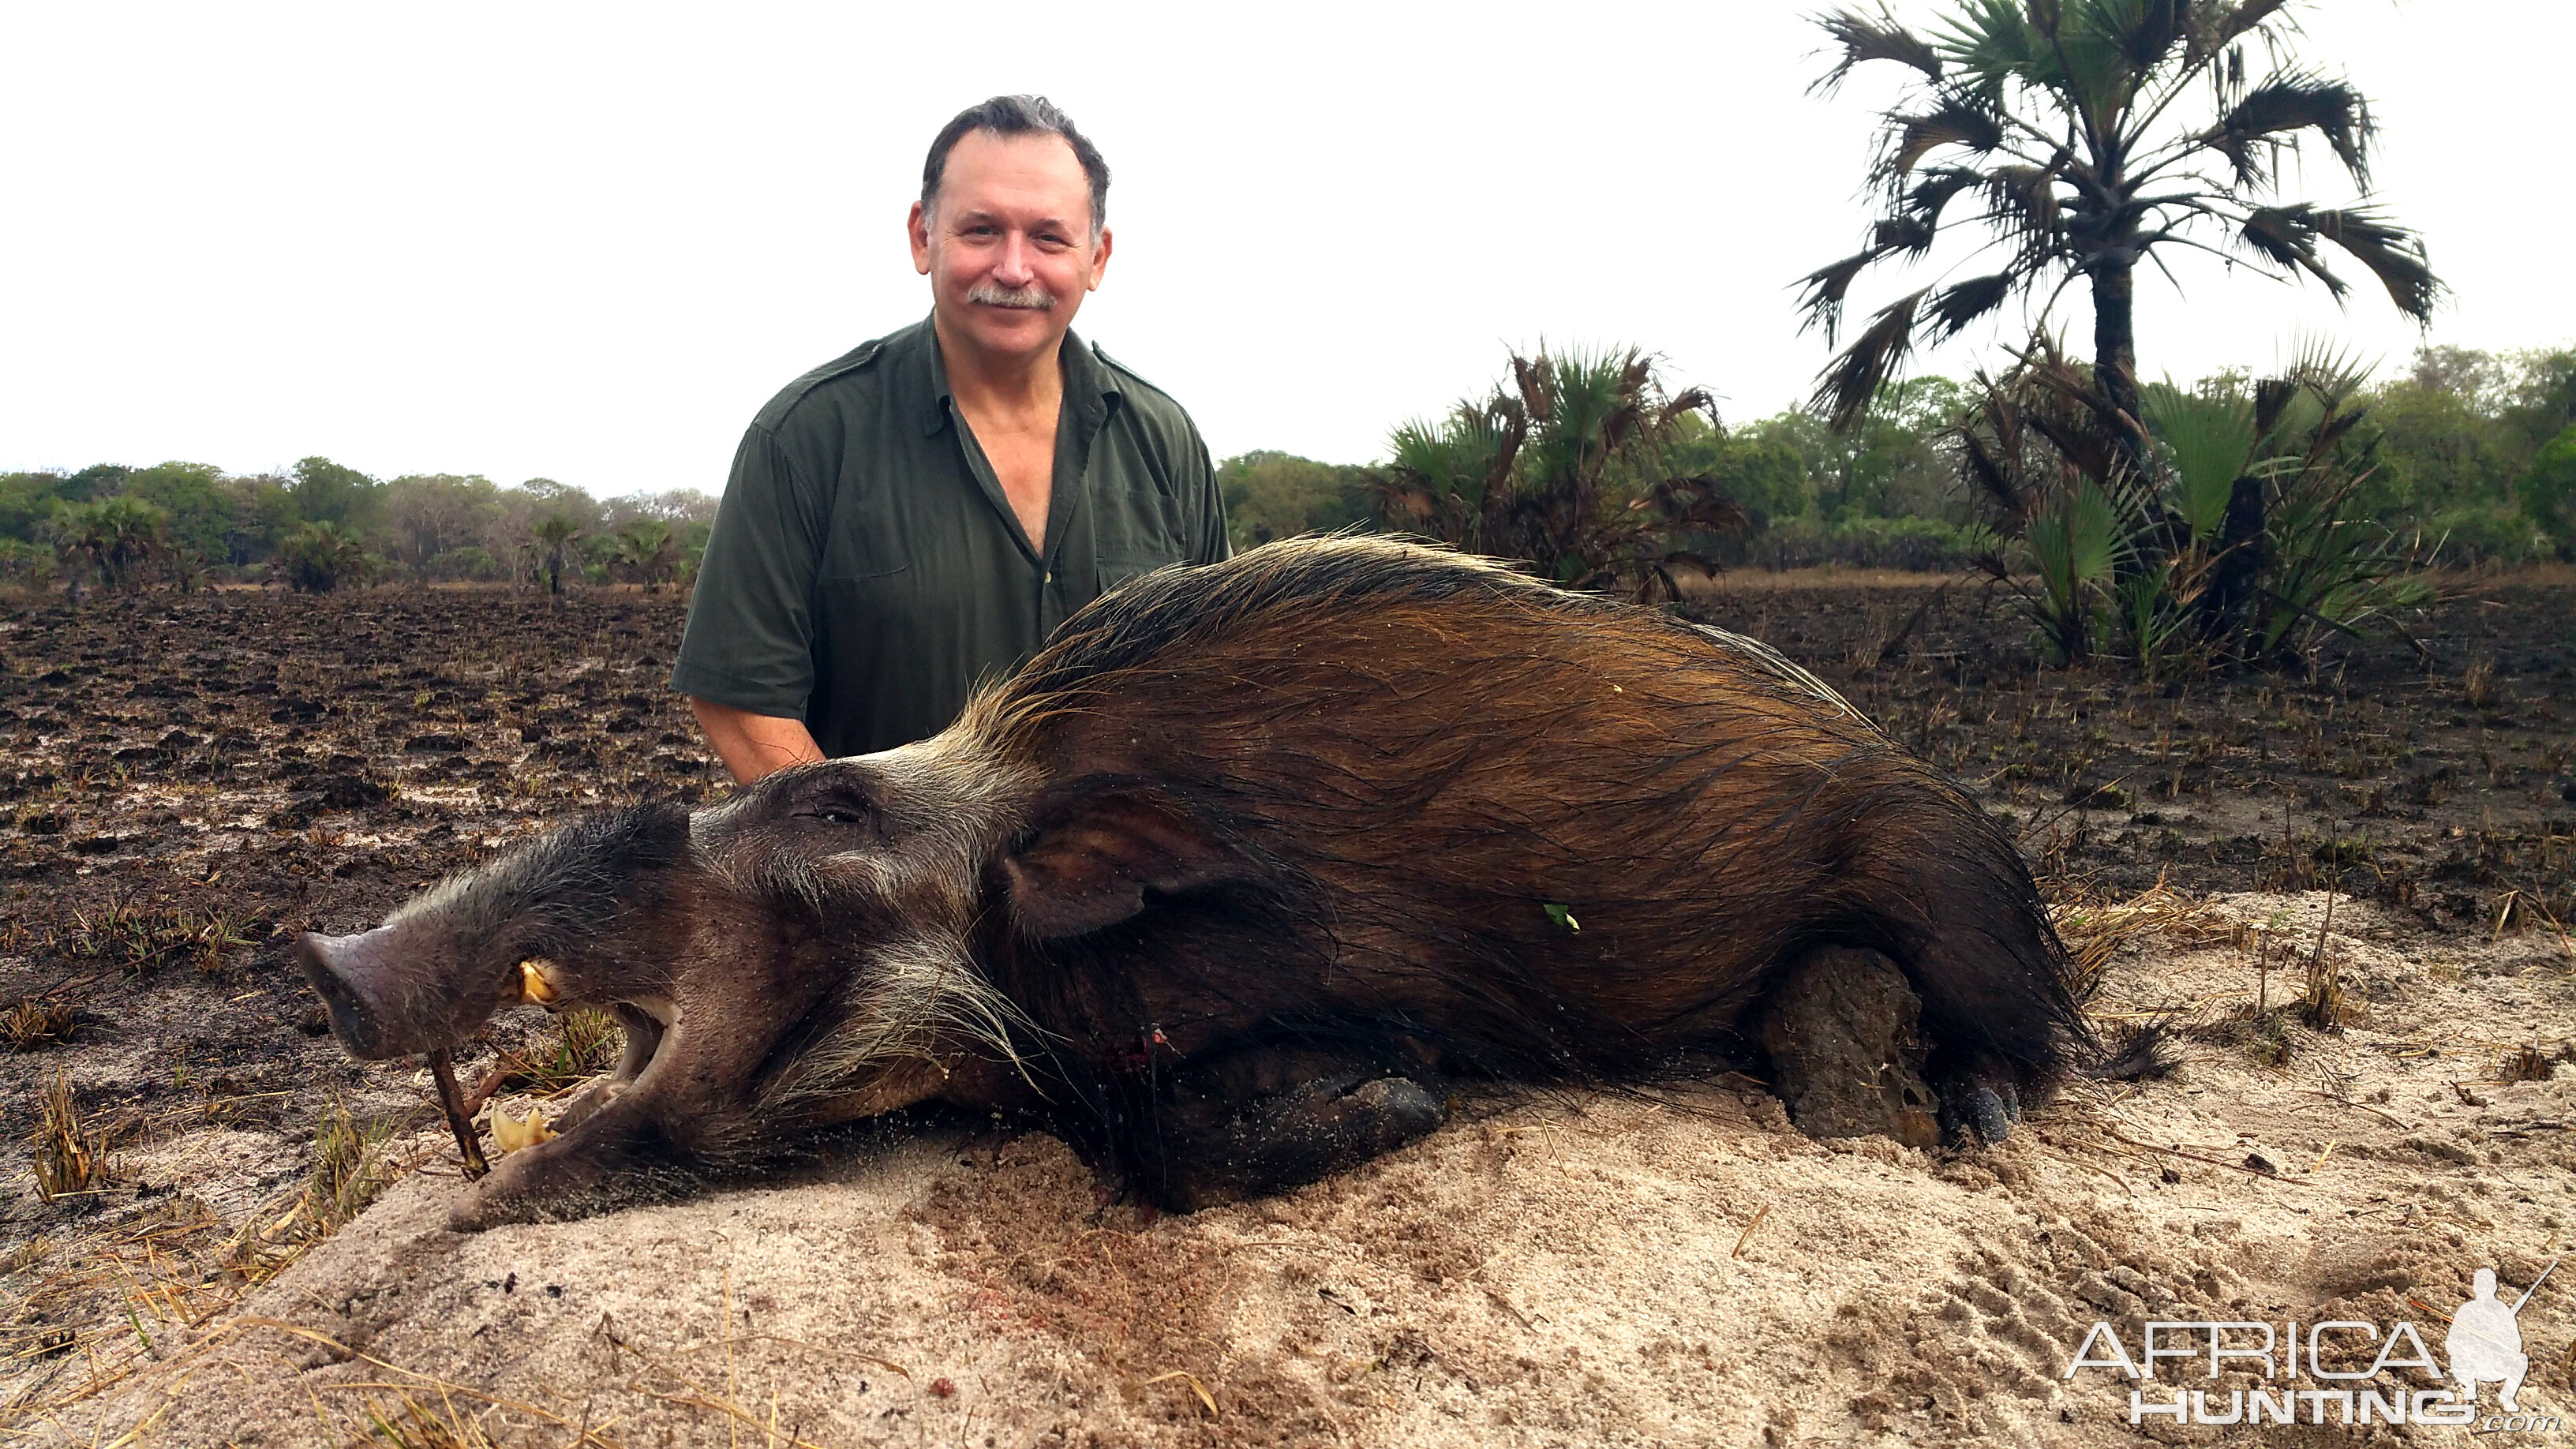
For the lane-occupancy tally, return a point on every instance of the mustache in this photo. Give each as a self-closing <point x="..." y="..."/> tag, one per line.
<point x="1031" y="298"/>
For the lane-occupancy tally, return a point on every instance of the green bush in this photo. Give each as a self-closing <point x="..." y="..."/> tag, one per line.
<point x="1271" y="495"/>
<point x="318" y="558"/>
<point x="2548" y="491"/>
<point x="25" y="565"/>
<point x="469" y="562"/>
<point x="2486" y="533"/>
<point x="1570" y="467"/>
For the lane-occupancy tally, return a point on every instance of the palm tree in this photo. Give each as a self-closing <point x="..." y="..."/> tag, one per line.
<point x="554" y="533"/>
<point x="113" y="537"/>
<point x="2062" y="123"/>
<point x="644" y="548"/>
<point x="321" y="556"/>
<point x="1563" y="467"/>
<point x="2241" y="546"/>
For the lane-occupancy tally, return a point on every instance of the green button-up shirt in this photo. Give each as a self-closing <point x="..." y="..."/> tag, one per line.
<point x="866" y="570"/>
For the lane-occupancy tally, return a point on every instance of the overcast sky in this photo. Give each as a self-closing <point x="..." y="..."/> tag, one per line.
<point x="587" y="242"/>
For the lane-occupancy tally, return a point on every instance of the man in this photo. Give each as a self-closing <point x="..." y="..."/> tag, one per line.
<point x="918" y="515"/>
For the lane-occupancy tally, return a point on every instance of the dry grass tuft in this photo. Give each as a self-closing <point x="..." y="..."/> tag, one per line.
<point x="2477" y="683"/>
<point x="2527" y="1064"/>
<point x="2095" y="930"/>
<point x="349" y="1170"/>
<point x="138" y="941"/>
<point x="2321" y="1006"/>
<point x="33" y="1025"/>
<point x="70" y="1156"/>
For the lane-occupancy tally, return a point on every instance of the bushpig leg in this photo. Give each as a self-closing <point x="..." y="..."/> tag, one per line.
<point x="643" y="1038"/>
<point x="1265" y="1118"/>
<point x="1848" y="1059"/>
<point x="1846" y="1056"/>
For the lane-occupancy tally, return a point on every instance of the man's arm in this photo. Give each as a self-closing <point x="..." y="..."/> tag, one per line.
<point x="744" y="660"/>
<point x="753" y="745"/>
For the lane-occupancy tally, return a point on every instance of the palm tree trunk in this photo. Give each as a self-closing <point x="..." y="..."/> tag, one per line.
<point x="2115" y="355"/>
<point x="2115" y="379"/>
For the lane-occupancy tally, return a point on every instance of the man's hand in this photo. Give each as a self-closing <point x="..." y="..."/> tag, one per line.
<point x="753" y="745"/>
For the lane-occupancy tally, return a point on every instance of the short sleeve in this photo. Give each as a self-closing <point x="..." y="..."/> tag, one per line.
<point x="1212" y="544"/>
<point x="750" y="637"/>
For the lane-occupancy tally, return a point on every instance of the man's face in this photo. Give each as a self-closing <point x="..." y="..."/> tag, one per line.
<point x="1008" y="249"/>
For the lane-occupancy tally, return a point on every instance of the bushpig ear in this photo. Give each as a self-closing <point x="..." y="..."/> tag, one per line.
<point x="1089" y="867"/>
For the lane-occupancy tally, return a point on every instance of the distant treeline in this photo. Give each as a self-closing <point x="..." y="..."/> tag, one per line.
<point x="2472" y="452"/>
<point x="324" y="525"/>
<point x="2471" y="455"/>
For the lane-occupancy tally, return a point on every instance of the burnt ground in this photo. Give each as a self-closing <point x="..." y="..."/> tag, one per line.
<point x="187" y="780"/>
<point x="2442" y="783"/>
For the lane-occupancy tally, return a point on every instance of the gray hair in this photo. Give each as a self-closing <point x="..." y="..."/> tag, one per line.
<point x="1018" y="116"/>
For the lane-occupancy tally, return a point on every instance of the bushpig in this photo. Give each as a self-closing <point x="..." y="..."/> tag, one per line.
<point x="1237" y="879"/>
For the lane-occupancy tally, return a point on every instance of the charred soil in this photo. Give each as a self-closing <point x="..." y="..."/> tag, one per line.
<point x="2440" y="782"/>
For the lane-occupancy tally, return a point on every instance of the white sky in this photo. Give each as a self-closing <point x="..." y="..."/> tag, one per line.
<point x="588" y="241"/>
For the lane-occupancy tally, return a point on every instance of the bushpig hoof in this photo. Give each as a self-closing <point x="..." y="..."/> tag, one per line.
<point x="1981" y="1104"/>
<point x="1845" y="1058"/>
<point x="1287" y="1139"/>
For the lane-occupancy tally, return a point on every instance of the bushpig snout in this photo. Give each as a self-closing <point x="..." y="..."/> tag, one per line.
<point x="362" y="980"/>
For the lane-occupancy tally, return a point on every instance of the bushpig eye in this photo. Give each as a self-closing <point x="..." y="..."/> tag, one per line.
<point x="835" y="815"/>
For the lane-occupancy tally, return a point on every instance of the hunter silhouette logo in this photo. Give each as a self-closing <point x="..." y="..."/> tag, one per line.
<point x="2485" y="1343"/>
<point x="2350" y="1365"/>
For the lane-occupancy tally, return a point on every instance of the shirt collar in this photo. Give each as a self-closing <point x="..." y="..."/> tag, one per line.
<point x="1090" y="385"/>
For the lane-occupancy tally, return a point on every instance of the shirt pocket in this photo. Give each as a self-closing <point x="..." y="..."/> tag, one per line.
<point x="1118" y="565"/>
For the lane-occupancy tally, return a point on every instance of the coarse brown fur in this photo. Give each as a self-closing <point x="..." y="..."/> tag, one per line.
<point x="1247" y="864"/>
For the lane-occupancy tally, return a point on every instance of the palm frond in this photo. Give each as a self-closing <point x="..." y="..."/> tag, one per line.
<point x="2335" y="371"/>
<point x="2273" y="113"/>
<point x="2023" y="200"/>
<point x="1865" y="39"/>
<point x="1992" y="454"/>
<point x="1962" y="304"/>
<point x="2144" y="30"/>
<point x="2100" y="50"/>
<point x="1907" y="234"/>
<point x="1933" y="189"/>
<point x="1827" y="286"/>
<point x="2221" y="25"/>
<point x="2287" y="237"/>
<point x="1991" y="42"/>
<point x="2393" y="254"/>
<point x="2208" y="442"/>
<point x="1957" y="118"/>
<point x="1696" y="503"/>
<point x="1851" y="381"/>
<point x="2272" y="399"/>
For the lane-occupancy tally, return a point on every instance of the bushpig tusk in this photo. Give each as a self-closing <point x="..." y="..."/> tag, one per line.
<point x="533" y="985"/>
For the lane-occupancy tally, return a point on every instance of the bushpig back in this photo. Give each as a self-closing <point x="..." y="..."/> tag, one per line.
<point x="1546" y="835"/>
